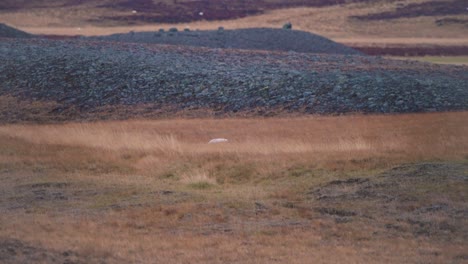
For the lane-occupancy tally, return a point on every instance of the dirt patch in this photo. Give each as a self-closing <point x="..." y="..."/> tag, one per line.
<point x="333" y="211"/>
<point x="428" y="199"/>
<point x="17" y="251"/>
<point x="64" y="196"/>
<point x="35" y="195"/>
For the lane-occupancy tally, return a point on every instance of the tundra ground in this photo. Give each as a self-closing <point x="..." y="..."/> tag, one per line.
<point x="386" y="189"/>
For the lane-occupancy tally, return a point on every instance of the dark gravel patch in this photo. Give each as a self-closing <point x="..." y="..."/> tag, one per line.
<point x="250" y="39"/>
<point x="57" y="195"/>
<point x="74" y="197"/>
<point x="14" y="251"/>
<point x="84" y="77"/>
<point x="333" y="211"/>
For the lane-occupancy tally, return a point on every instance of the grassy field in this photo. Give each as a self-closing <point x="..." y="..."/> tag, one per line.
<point x="303" y="189"/>
<point x="155" y="191"/>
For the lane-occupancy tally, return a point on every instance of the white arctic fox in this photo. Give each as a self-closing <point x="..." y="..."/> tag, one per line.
<point x="217" y="140"/>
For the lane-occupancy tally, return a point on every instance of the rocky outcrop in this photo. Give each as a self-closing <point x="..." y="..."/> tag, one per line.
<point x="250" y="39"/>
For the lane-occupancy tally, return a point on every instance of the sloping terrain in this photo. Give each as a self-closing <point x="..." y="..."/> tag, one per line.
<point x="250" y="39"/>
<point x="430" y="8"/>
<point x="10" y="32"/>
<point x="278" y="39"/>
<point x="188" y="11"/>
<point x="333" y="21"/>
<point x="410" y="27"/>
<point x="168" y="11"/>
<point x="85" y="77"/>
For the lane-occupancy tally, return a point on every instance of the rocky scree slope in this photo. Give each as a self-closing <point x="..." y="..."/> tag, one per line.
<point x="87" y="76"/>
<point x="250" y="39"/>
<point x="10" y="32"/>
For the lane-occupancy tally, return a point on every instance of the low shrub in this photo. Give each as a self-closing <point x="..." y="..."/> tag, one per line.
<point x="287" y="26"/>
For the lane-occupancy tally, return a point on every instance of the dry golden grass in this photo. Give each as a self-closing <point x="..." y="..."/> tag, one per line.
<point x="112" y="237"/>
<point x="410" y="136"/>
<point x="258" y="149"/>
<point x="154" y="190"/>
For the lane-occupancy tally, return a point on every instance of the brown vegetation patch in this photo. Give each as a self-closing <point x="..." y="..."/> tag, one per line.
<point x="17" y="251"/>
<point x="450" y="21"/>
<point x="161" y="12"/>
<point x="426" y="199"/>
<point x="413" y="50"/>
<point x="432" y="8"/>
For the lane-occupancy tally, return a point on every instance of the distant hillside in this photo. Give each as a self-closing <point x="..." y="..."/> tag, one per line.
<point x="386" y="27"/>
<point x="430" y="8"/>
<point x="170" y="11"/>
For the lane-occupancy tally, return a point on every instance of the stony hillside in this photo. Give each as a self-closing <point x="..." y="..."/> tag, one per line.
<point x="83" y="78"/>
<point x="10" y="32"/>
<point x="253" y="38"/>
